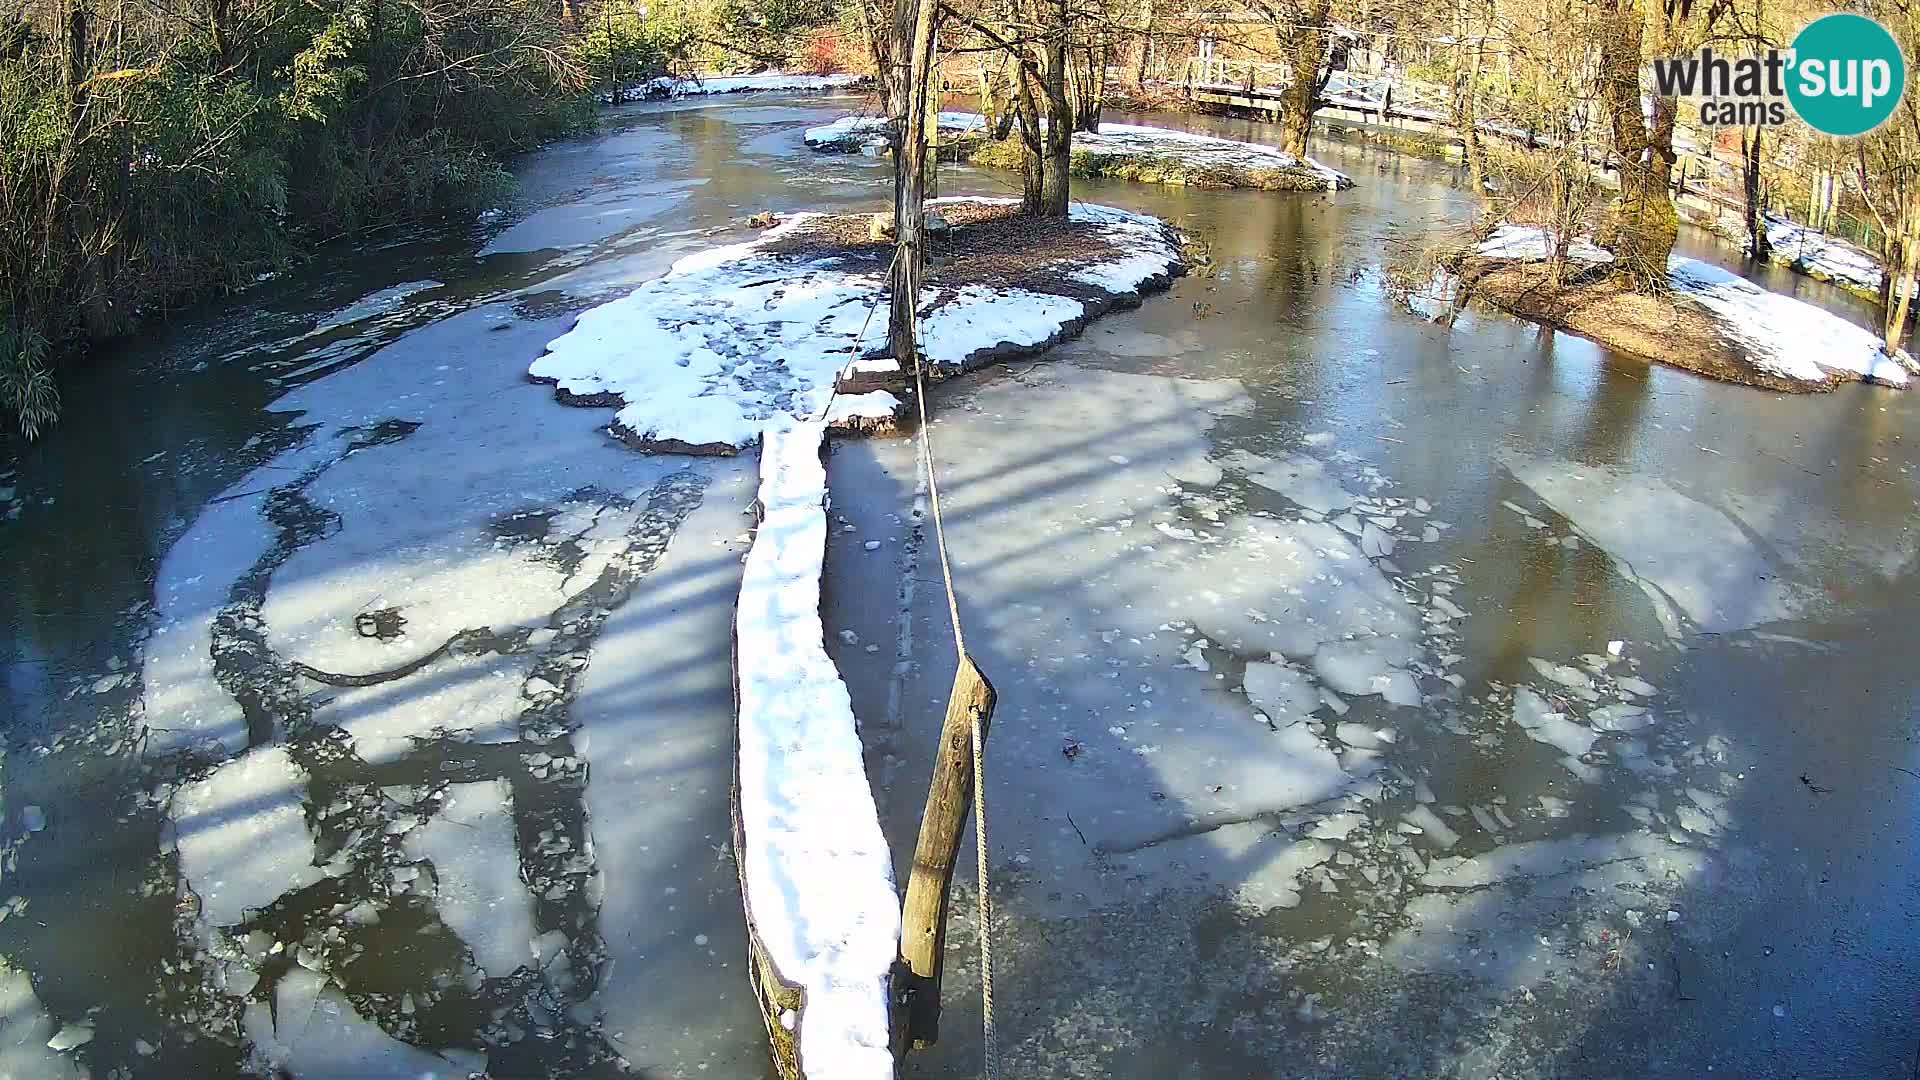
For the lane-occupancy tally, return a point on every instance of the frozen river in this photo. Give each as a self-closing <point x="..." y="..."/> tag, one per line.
<point x="1376" y="698"/>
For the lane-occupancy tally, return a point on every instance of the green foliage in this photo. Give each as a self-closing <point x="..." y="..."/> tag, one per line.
<point x="209" y="140"/>
<point x="620" y="48"/>
<point x="27" y="391"/>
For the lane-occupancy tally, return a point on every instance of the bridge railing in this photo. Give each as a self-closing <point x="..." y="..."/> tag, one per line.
<point x="1370" y="92"/>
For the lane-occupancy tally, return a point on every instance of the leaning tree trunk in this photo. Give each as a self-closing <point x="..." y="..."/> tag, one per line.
<point x="1306" y="54"/>
<point x="1642" y="225"/>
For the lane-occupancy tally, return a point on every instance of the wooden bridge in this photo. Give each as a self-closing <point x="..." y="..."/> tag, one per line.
<point x="1351" y="99"/>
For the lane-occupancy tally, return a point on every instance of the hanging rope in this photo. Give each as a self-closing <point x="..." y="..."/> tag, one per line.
<point x="989" y="1036"/>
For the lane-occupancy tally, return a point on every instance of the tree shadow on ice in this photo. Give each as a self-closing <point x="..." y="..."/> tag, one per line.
<point x="1120" y="948"/>
<point x="660" y="895"/>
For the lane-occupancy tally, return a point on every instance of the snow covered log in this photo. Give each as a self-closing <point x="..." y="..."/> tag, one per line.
<point x="816" y="877"/>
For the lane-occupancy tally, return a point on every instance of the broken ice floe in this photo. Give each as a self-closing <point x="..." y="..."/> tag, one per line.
<point x="472" y="847"/>
<point x="241" y="834"/>
<point x="32" y="1046"/>
<point x="311" y="1029"/>
<point x="1702" y="570"/>
<point x="700" y="359"/>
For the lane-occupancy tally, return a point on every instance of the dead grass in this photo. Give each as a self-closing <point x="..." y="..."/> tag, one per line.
<point x="1603" y="308"/>
<point x="990" y="244"/>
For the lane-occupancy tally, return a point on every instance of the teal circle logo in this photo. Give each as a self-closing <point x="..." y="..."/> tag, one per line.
<point x="1847" y="75"/>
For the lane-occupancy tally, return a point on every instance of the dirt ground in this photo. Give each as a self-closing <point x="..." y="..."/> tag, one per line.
<point x="990" y="244"/>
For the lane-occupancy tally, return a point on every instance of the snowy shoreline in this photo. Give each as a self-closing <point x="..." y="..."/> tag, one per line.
<point x="1780" y="337"/>
<point x="773" y="333"/>
<point x="668" y="86"/>
<point x="1124" y="151"/>
<point x="816" y="875"/>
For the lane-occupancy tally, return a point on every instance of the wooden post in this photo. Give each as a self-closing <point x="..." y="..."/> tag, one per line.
<point x="923" y="918"/>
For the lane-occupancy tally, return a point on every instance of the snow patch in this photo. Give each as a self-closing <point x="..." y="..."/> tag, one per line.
<point x="863" y="132"/>
<point x="816" y="868"/>
<point x="736" y="336"/>
<point x="667" y="86"/>
<point x="1785" y="337"/>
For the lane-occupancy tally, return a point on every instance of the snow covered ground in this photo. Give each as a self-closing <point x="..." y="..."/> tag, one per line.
<point x="667" y="86"/>
<point x="1138" y="140"/>
<point x="1785" y="337"/>
<point x="1824" y="257"/>
<point x="869" y="133"/>
<point x="732" y="338"/>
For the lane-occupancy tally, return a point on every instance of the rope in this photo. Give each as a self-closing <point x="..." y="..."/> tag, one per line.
<point x="933" y="494"/>
<point x="989" y="1035"/>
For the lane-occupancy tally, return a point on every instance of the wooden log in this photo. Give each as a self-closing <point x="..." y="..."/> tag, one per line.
<point x="781" y="1001"/>
<point x="923" y="917"/>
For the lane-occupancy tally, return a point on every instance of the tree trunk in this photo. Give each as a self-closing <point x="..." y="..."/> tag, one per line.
<point x="1642" y="224"/>
<point x="1057" y="137"/>
<point x="1756" y="212"/>
<point x="1307" y="54"/>
<point x="1896" y="283"/>
<point x="1142" y="45"/>
<point x="1903" y="284"/>
<point x="1089" y="88"/>
<point x="1033" y="180"/>
<point x="913" y="39"/>
<point x="1467" y="119"/>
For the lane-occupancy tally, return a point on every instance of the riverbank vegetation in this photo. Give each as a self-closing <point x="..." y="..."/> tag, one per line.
<point x="1547" y="103"/>
<point x="151" y="153"/>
